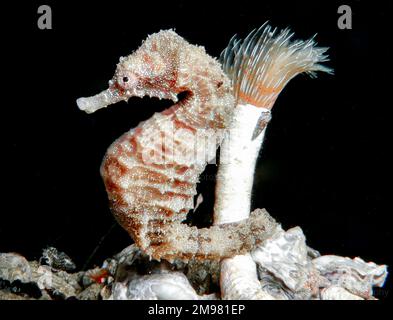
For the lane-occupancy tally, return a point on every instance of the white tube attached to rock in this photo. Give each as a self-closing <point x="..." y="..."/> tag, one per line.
<point x="239" y="280"/>
<point x="235" y="177"/>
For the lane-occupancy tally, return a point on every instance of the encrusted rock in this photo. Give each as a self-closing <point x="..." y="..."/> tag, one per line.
<point x="204" y="276"/>
<point x="354" y="275"/>
<point x="286" y="256"/>
<point x="7" y="295"/>
<point x="57" y="259"/>
<point x="14" y="267"/>
<point x="16" y="278"/>
<point x="54" y="283"/>
<point x="92" y="292"/>
<point x="287" y="269"/>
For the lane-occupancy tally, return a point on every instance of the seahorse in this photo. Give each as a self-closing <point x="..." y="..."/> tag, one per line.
<point x="151" y="172"/>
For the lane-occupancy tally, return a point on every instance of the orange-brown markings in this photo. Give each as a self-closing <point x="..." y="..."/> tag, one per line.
<point x="129" y="221"/>
<point x="264" y="92"/>
<point x="113" y="169"/>
<point x="204" y="91"/>
<point x="216" y="123"/>
<point x="117" y="87"/>
<point x="177" y="194"/>
<point x="149" y="175"/>
<point x="162" y="251"/>
<point x="122" y="150"/>
<point x="182" y="169"/>
<point x="166" y="212"/>
<point x="182" y="125"/>
<point x="142" y="173"/>
<point x="172" y="82"/>
<point x="255" y="102"/>
<point x="113" y="166"/>
<point x="113" y="189"/>
<point x="154" y="193"/>
<point x="133" y="143"/>
<point x="267" y="90"/>
<point x="261" y="86"/>
<point x="154" y="224"/>
<point x="147" y="59"/>
<point x="183" y="211"/>
<point x="182" y="184"/>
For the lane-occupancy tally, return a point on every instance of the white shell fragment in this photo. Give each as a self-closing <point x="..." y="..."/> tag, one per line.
<point x="274" y="288"/>
<point x="355" y="275"/>
<point x="164" y="286"/>
<point x="285" y="256"/>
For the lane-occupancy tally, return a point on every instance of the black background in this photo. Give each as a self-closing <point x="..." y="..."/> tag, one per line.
<point x="324" y="165"/>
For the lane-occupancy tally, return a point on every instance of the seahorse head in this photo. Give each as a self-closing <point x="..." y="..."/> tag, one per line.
<point x="151" y="70"/>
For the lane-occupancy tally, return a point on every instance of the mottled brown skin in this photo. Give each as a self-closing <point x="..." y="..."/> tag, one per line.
<point x="150" y="198"/>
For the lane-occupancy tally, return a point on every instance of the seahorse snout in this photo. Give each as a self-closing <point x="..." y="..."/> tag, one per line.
<point x="101" y="100"/>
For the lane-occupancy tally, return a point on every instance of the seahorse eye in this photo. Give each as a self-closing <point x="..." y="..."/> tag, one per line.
<point x="125" y="79"/>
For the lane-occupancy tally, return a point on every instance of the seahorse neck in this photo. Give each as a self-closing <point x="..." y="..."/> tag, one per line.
<point x="205" y="107"/>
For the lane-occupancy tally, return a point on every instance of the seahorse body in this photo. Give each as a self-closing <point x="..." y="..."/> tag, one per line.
<point x="151" y="172"/>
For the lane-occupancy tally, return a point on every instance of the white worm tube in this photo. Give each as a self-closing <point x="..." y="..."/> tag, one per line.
<point x="239" y="280"/>
<point x="238" y="156"/>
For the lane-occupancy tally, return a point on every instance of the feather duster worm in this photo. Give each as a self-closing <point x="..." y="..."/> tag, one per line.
<point x="259" y="66"/>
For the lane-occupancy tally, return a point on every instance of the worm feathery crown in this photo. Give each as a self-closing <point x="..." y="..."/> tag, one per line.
<point x="266" y="60"/>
